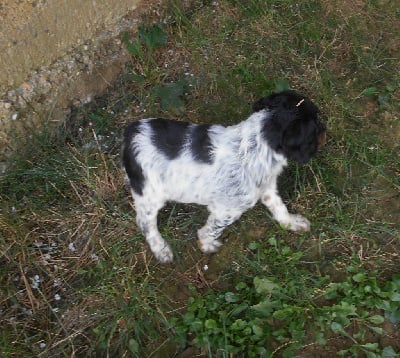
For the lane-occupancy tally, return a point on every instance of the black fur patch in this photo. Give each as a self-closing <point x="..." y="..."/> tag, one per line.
<point x="293" y="127"/>
<point x="201" y="144"/>
<point x="132" y="167"/>
<point x="300" y="141"/>
<point x="168" y="136"/>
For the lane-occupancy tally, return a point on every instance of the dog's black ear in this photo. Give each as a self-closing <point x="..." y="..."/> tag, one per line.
<point x="300" y="141"/>
<point x="262" y="103"/>
<point x="284" y="100"/>
<point x="281" y="100"/>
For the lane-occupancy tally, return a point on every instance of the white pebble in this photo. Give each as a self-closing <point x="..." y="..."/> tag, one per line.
<point x="94" y="257"/>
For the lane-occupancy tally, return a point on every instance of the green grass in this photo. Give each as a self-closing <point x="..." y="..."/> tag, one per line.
<point x="77" y="279"/>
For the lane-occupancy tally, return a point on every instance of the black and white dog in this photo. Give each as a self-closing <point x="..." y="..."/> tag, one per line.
<point x="228" y="169"/>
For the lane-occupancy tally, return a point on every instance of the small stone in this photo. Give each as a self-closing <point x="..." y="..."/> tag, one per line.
<point x="5" y="105"/>
<point x="76" y="102"/>
<point x="26" y="86"/>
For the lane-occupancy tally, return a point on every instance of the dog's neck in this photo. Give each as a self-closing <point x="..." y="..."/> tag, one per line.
<point x="260" y="160"/>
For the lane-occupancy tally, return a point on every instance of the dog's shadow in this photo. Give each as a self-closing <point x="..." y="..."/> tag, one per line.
<point x="176" y="220"/>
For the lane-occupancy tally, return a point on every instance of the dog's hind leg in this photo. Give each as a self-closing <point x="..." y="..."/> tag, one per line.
<point x="146" y="218"/>
<point x="216" y="223"/>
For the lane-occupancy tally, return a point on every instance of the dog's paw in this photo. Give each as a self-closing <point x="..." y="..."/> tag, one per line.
<point x="297" y="223"/>
<point x="209" y="247"/>
<point x="164" y="255"/>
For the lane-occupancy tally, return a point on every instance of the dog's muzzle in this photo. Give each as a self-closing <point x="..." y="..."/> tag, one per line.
<point x="321" y="140"/>
<point x="321" y="135"/>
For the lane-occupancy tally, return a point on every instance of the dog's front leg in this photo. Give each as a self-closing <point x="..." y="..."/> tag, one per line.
<point x="278" y="209"/>
<point x="216" y="223"/>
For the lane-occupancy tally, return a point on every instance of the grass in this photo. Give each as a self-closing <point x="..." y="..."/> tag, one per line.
<point x="77" y="279"/>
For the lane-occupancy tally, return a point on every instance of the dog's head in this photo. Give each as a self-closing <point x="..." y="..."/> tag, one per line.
<point x="293" y="126"/>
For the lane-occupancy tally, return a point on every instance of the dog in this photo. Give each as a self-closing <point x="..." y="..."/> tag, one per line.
<point x="227" y="169"/>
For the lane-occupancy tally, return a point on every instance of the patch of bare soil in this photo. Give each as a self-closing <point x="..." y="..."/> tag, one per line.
<point x="344" y="8"/>
<point x="47" y="96"/>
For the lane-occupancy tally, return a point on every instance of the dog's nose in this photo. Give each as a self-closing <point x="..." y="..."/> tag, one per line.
<point x="322" y="139"/>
